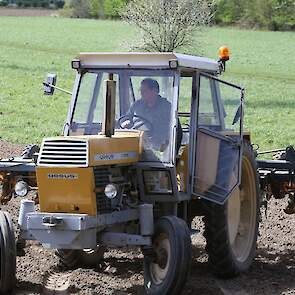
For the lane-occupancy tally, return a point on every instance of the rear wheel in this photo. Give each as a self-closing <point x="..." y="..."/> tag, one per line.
<point x="166" y="270"/>
<point x="231" y="230"/>
<point x="88" y="258"/>
<point x="7" y="254"/>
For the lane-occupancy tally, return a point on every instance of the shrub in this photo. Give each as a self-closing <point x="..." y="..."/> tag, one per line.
<point x="39" y="3"/>
<point x="44" y="3"/>
<point x="3" y="3"/>
<point x="166" y="25"/>
<point x="35" y="3"/>
<point x="269" y="14"/>
<point x="59" y="3"/>
<point x="27" y="3"/>
<point x="78" y="8"/>
<point x="19" y="3"/>
<point x="95" y="8"/>
<point x="112" y="8"/>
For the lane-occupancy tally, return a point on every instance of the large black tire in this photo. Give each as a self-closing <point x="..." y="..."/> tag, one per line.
<point x="231" y="230"/>
<point x="7" y="254"/>
<point x="166" y="271"/>
<point x="87" y="258"/>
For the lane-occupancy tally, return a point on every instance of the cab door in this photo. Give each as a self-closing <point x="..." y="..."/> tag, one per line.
<point x="217" y="142"/>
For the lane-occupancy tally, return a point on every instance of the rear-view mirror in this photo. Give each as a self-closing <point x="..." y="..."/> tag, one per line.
<point x="49" y="84"/>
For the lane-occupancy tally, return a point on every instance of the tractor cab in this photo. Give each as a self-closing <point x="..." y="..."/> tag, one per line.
<point x="190" y="121"/>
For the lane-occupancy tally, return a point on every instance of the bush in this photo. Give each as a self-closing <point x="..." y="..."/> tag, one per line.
<point x="167" y="25"/>
<point x="95" y="7"/>
<point x="3" y="3"/>
<point x="40" y="3"/>
<point x="229" y="11"/>
<point x="77" y="8"/>
<point x="27" y="3"/>
<point x="112" y="8"/>
<point x="44" y="3"/>
<point x="35" y="3"/>
<point x="269" y="14"/>
<point x="59" y="3"/>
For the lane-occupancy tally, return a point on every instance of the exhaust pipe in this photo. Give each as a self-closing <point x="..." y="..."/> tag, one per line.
<point x="108" y="127"/>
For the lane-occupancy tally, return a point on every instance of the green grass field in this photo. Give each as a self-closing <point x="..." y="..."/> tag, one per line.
<point x="263" y="62"/>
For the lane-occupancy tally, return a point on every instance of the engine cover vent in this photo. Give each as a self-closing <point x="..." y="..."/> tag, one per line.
<point x="64" y="152"/>
<point x="102" y="178"/>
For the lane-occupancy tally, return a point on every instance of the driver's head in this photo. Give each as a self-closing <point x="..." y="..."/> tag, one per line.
<point x="149" y="91"/>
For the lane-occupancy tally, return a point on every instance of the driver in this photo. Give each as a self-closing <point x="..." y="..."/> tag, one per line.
<point x="156" y="110"/>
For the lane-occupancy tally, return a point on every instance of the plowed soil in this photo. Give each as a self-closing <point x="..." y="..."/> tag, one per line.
<point x="272" y="272"/>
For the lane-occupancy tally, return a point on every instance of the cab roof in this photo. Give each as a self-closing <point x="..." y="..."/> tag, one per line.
<point x="145" y="60"/>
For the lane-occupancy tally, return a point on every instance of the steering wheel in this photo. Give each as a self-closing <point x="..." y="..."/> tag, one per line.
<point x="134" y="122"/>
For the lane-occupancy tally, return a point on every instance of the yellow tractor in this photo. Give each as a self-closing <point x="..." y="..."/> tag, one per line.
<point x="151" y="140"/>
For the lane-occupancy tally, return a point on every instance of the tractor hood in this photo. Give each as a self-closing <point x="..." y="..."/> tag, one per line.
<point x="124" y="147"/>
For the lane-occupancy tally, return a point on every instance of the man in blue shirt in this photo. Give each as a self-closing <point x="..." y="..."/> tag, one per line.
<point x="156" y="110"/>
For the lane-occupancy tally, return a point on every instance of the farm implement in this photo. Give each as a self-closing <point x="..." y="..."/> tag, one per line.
<point x="277" y="177"/>
<point x="151" y="141"/>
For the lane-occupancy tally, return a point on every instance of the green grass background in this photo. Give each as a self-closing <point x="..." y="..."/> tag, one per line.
<point x="262" y="62"/>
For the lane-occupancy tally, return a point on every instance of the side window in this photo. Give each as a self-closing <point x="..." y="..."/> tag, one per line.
<point x="208" y="105"/>
<point x="185" y="94"/>
<point x="184" y="106"/>
<point x="85" y="96"/>
<point x="230" y="98"/>
<point x="219" y="105"/>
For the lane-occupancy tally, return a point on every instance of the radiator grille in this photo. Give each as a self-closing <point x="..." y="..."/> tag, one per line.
<point x="102" y="178"/>
<point x="64" y="152"/>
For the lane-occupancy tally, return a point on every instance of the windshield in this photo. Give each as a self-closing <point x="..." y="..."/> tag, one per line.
<point x="144" y="100"/>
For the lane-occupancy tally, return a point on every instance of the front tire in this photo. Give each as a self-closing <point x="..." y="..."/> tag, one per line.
<point x="231" y="230"/>
<point x="7" y="254"/>
<point x="166" y="271"/>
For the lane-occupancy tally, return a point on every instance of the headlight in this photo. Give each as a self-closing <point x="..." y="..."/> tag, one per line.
<point x="111" y="191"/>
<point x="21" y="188"/>
<point x="157" y="182"/>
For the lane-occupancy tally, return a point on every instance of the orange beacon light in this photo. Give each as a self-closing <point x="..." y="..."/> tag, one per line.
<point x="224" y="53"/>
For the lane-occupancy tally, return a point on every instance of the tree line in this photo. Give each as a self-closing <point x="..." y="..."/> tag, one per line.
<point x="266" y="14"/>
<point x="269" y="14"/>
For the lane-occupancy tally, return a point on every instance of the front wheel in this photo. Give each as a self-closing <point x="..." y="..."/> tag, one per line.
<point x="231" y="230"/>
<point x="7" y="254"/>
<point x="166" y="270"/>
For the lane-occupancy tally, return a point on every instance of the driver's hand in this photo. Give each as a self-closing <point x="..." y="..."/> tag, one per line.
<point x="164" y="146"/>
<point x="127" y="124"/>
<point x="161" y="147"/>
<point x="147" y="140"/>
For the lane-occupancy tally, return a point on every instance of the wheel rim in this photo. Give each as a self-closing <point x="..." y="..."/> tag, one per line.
<point x="159" y="267"/>
<point x="242" y="213"/>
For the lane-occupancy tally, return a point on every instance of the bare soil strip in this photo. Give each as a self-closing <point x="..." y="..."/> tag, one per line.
<point x="26" y="12"/>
